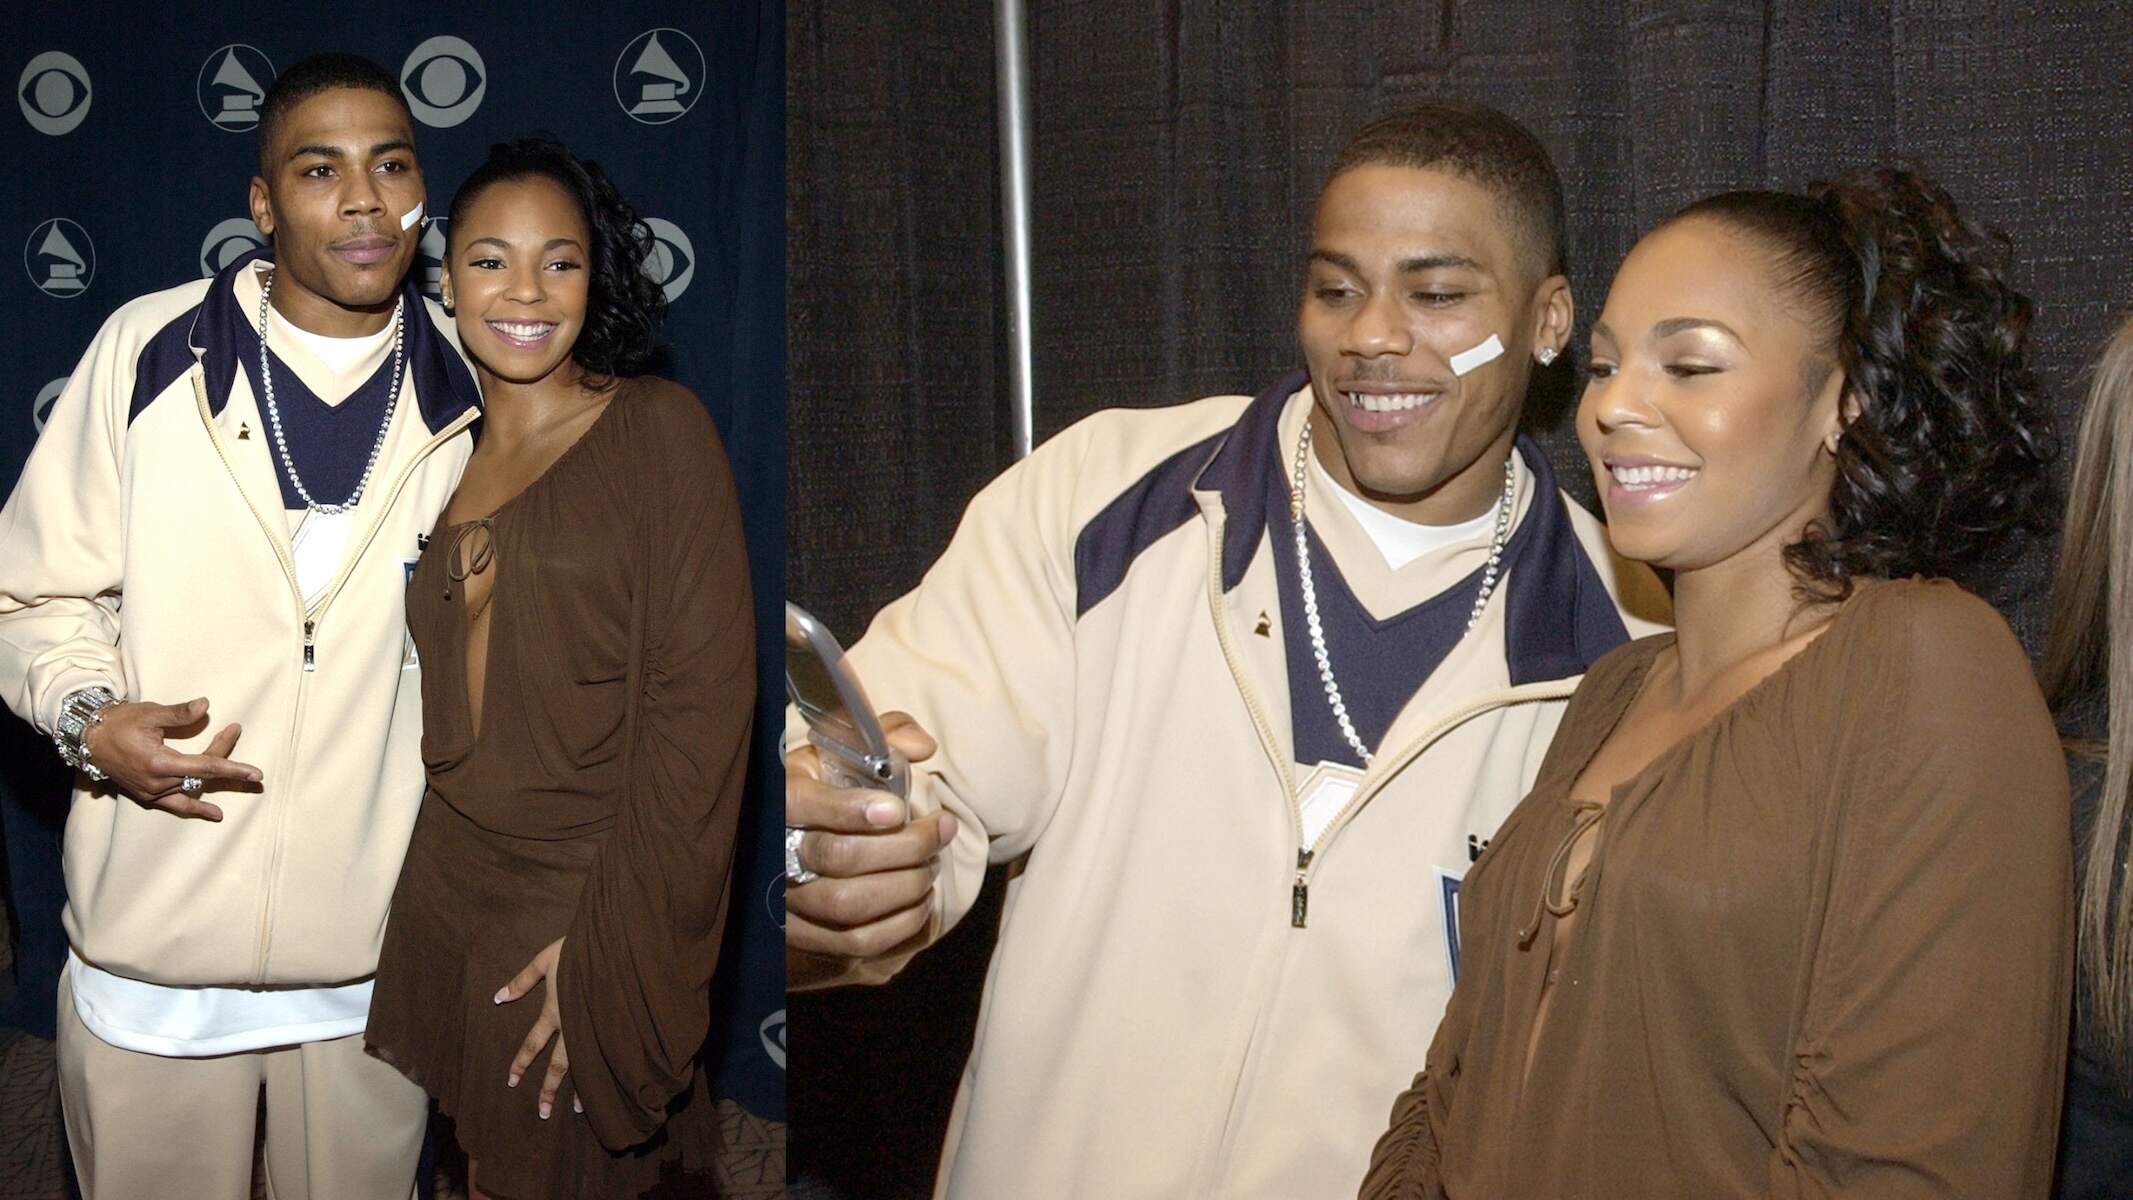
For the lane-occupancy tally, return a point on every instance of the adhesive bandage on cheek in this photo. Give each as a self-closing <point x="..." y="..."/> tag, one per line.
<point x="1480" y="356"/>
<point x="414" y="214"/>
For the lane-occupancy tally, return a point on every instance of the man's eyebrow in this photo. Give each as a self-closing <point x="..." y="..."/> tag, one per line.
<point x="1437" y="261"/>
<point x="337" y="153"/>
<point x="1421" y="262"/>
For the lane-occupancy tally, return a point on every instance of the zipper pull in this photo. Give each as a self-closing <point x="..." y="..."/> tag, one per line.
<point x="1300" y="896"/>
<point x="310" y="647"/>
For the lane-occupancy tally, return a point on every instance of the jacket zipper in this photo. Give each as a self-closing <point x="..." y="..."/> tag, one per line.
<point x="1523" y="694"/>
<point x="1300" y="891"/>
<point x="288" y="566"/>
<point x="311" y="616"/>
<point x="348" y="561"/>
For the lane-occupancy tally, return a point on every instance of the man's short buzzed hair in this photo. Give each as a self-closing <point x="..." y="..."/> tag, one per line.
<point x="1481" y="144"/>
<point x="319" y="73"/>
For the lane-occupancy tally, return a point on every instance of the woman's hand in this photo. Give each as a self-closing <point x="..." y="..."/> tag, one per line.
<point x="548" y="1024"/>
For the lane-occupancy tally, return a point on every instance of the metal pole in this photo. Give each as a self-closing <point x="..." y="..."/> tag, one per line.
<point x="1012" y="51"/>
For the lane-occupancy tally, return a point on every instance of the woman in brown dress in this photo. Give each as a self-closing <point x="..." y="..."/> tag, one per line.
<point x="1787" y="911"/>
<point x="582" y="617"/>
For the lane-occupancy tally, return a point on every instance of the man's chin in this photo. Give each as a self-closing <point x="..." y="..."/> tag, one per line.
<point x="1406" y="489"/>
<point x="1383" y="472"/>
<point x="362" y="287"/>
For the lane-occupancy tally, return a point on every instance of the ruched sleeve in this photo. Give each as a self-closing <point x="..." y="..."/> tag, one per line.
<point x="636" y="966"/>
<point x="1403" y="1166"/>
<point x="1931" y="1050"/>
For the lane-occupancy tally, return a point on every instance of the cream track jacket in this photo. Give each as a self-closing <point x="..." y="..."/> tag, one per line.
<point x="146" y="548"/>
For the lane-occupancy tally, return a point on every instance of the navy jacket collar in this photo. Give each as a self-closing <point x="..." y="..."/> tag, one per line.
<point x="1560" y="616"/>
<point x="444" y="387"/>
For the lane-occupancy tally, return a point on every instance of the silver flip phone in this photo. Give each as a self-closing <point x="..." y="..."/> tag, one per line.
<point x="840" y="722"/>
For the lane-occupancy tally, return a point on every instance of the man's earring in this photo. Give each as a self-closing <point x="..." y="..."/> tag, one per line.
<point x="1546" y="355"/>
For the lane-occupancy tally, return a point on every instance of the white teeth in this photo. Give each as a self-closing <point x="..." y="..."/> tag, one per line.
<point x="1651" y="476"/>
<point x="523" y="331"/>
<point x="1398" y="402"/>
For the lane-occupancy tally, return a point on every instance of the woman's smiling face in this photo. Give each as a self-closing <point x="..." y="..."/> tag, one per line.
<point x="1711" y="401"/>
<point x="519" y="277"/>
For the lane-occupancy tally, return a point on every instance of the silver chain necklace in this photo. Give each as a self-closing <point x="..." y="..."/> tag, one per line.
<point x="1310" y="593"/>
<point x="281" y="443"/>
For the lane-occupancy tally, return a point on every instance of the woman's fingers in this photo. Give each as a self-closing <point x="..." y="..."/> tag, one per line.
<point x="536" y="1037"/>
<point x="521" y="983"/>
<point x="558" y="1066"/>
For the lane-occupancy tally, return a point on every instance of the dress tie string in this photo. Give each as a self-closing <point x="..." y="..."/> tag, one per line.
<point x="1588" y="814"/>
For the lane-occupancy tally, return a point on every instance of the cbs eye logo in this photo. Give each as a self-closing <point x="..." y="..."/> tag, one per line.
<point x="773" y="1033"/>
<point x="444" y="80"/>
<point x="672" y="260"/>
<point x="41" y="408"/>
<point x="227" y="242"/>
<point x="54" y="92"/>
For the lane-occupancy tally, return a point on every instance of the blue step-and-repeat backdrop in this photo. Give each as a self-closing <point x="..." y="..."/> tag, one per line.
<point x="133" y="141"/>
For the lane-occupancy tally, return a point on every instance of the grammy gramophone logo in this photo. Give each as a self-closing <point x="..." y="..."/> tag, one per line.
<point x="429" y="259"/>
<point x="659" y="75"/>
<point x="60" y="258"/>
<point x="232" y="85"/>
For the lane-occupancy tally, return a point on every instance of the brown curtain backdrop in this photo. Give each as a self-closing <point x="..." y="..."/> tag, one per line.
<point x="892" y="266"/>
<point x="1178" y="148"/>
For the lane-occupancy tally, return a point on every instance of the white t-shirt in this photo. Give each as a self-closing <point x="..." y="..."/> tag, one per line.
<point x="340" y="356"/>
<point x="1402" y="541"/>
<point x="195" y="1022"/>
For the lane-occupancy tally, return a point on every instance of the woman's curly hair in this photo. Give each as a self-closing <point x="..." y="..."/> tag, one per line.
<point x="1948" y="441"/>
<point x="624" y="307"/>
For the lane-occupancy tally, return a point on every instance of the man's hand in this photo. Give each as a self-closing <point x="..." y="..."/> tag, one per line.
<point x="877" y="873"/>
<point x="128" y="745"/>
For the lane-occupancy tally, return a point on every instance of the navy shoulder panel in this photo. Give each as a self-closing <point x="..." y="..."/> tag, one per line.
<point x="1560" y="617"/>
<point x="1155" y="506"/>
<point x="167" y="356"/>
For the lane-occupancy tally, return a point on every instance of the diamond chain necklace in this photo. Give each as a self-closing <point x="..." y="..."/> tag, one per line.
<point x="1310" y="593"/>
<point x="281" y="443"/>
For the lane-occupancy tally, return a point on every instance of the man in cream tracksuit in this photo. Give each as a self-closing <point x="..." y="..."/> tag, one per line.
<point x="217" y="523"/>
<point x="1239" y="772"/>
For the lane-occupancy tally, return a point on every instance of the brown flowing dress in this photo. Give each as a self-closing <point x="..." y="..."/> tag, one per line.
<point x="1823" y="946"/>
<point x="596" y="802"/>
